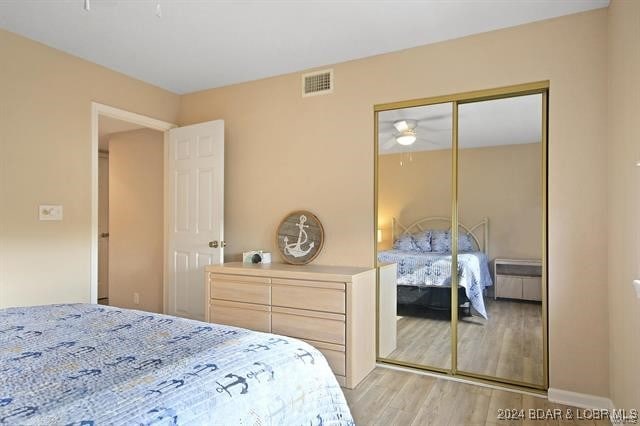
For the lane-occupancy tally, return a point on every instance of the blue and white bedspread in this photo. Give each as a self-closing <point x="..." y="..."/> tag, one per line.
<point x="434" y="269"/>
<point x="92" y="365"/>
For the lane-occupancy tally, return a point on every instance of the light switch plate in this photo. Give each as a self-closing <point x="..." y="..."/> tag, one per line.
<point x="50" y="212"/>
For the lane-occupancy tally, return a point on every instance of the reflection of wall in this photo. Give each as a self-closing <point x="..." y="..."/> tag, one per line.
<point x="624" y="201"/>
<point x="136" y="161"/>
<point x="502" y="183"/>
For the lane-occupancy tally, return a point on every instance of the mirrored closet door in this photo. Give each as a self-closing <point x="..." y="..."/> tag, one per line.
<point x="461" y="186"/>
<point x="414" y="170"/>
<point x="500" y="179"/>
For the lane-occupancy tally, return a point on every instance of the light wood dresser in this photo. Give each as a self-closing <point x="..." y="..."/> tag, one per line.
<point x="330" y="307"/>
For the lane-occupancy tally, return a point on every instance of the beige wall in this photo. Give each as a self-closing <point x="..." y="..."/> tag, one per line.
<point x="502" y="183"/>
<point x="45" y="144"/>
<point x="136" y="219"/>
<point x="624" y="201"/>
<point x="285" y="152"/>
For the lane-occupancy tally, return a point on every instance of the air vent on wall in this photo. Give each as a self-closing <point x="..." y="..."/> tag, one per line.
<point x="317" y="83"/>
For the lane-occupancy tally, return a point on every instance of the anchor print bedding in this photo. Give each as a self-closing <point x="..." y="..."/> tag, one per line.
<point x="88" y="365"/>
<point x="434" y="269"/>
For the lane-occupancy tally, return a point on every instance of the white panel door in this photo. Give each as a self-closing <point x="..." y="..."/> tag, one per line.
<point x="103" y="226"/>
<point x="195" y="214"/>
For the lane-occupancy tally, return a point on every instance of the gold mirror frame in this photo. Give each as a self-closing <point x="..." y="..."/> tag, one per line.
<point x="540" y="87"/>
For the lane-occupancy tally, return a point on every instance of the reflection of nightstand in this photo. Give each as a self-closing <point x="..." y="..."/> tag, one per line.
<point x="518" y="279"/>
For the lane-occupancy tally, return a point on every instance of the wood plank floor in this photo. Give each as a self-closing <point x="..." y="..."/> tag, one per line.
<point x="508" y="344"/>
<point x="390" y="397"/>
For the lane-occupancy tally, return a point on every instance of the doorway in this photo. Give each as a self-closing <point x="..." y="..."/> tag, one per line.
<point x="130" y="230"/>
<point x="192" y="213"/>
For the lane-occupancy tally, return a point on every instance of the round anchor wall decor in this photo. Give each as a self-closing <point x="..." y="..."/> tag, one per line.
<point x="300" y="237"/>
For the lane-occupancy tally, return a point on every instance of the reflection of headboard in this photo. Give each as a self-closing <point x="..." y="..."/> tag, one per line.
<point x="397" y="229"/>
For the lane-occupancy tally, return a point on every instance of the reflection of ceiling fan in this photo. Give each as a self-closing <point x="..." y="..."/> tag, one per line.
<point x="407" y="131"/>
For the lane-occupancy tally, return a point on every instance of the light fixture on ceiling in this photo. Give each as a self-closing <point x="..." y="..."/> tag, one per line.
<point x="87" y="5"/>
<point x="406" y="131"/>
<point x="158" y="10"/>
<point x="407" y="137"/>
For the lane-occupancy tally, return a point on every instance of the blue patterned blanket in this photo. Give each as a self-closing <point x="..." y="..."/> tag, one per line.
<point x="92" y="365"/>
<point x="434" y="269"/>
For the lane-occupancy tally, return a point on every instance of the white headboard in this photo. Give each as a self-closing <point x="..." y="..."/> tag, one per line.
<point x="398" y="229"/>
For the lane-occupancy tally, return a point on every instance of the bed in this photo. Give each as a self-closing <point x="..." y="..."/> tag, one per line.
<point x="424" y="277"/>
<point x="80" y="364"/>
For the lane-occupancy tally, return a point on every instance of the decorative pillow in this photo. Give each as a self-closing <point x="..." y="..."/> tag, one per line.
<point x="405" y="243"/>
<point x="423" y="241"/>
<point x="440" y="241"/>
<point x="466" y="243"/>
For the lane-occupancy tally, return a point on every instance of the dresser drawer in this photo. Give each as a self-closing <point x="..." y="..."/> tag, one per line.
<point x="308" y="297"/>
<point x="336" y="360"/>
<point x="335" y="355"/>
<point x="509" y="287"/>
<point x="323" y="327"/>
<point x="240" y="289"/>
<point x="245" y="315"/>
<point x="532" y="288"/>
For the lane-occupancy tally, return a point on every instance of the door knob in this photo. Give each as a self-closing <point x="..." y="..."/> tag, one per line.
<point x="213" y="244"/>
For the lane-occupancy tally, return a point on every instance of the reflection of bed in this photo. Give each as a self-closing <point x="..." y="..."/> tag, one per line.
<point x="424" y="278"/>
<point x="89" y="364"/>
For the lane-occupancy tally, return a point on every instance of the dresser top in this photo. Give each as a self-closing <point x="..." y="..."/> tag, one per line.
<point x="283" y="270"/>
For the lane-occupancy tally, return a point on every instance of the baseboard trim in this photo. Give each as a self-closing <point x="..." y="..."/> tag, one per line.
<point x="580" y="400"/>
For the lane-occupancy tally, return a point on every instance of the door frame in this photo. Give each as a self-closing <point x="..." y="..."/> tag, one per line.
<point x="539" y="87"/>
<point x="98" y="109"/>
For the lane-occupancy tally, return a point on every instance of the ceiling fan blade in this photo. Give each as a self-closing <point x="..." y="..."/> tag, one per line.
<point x="389" y="143"/>
<point x="433" y="128"/>
<point x="435" y="117"/>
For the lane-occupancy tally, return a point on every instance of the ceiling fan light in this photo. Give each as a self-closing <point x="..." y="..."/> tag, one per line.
<point x="401" y="125"/>
<point x="406" y="139"/>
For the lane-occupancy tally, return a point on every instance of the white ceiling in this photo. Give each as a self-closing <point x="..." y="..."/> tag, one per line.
<point x="509" y="121"/>
<point x="108" y="126"/>
<point x="199" y="44"/>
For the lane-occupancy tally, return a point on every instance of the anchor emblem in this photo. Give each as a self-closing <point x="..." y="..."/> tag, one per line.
<point x="256" y="347"/>
<point x="239" y="380"/>
<point x="148" y="363"/>
<point x="166" y="385"/>
<point x="304" y="354"/>
<point x="200" y="368"/>
<point x="120" y="360"/>
<point x="161" y="414"/>
<point x="295" y="249"/>
<point x="267" y="369"/>
<point x="274" y="340"/>
<point x="20" y="412"/>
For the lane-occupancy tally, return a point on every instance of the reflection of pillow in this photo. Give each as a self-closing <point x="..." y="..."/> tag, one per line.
<point x="466" y="243"/>
<point x="405" y="243"/>
<point x="423" y="241"/>
<point x="440" y="241"/>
